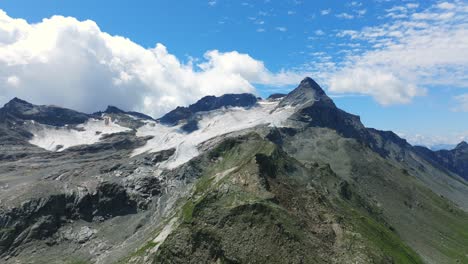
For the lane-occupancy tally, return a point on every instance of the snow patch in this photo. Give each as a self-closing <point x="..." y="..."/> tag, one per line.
<point x="212" y="124"/>
<point x="164" y="234"/>
<point x="59" y="138"/>
<point x="219" y="176"/>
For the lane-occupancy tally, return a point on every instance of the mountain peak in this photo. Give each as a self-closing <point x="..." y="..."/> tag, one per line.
<point x="462" y="145"/>
<point x="308" y="92"/>
<point x="311" y="83"/>
<point x="17" y="101"/>
<point x="113" y="110"/>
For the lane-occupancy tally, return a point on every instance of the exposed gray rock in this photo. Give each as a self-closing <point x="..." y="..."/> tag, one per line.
<point x="79" y="235"/>
<point x="99" y="203"/>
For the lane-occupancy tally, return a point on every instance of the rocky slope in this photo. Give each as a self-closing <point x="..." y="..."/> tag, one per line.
<point x="231" y="179"/>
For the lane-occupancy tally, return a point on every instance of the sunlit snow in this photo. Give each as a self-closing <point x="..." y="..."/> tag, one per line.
<point x="212" y="124"/>
<point x="50" y="137"/>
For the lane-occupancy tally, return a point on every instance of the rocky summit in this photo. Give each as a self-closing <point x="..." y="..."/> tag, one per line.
<point x="229" y="179"/>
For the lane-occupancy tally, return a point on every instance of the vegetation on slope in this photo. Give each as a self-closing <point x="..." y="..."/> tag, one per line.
<point x="255" y="204"/>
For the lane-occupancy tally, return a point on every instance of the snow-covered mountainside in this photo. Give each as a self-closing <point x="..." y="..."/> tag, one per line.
<point x="210" y="125"/>
<point x="219" y="121"/>
<point x="60" y="138"/>
<point x="230" y="179"/>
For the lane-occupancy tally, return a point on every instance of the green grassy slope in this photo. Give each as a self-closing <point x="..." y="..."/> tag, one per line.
<point x="431" y="224"/>
<point x="255" y="204"/>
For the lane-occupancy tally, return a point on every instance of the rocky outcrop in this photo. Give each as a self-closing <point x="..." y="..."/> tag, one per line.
<point x="41" y="218"/>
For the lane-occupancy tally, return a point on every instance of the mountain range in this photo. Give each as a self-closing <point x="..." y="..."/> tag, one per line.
<point x="230" y="179"/>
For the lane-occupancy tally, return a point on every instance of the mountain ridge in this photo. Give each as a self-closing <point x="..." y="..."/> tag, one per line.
<point x="311" y="98"/>
<point x="47" y="114"/>
<point x="294" y="170"/>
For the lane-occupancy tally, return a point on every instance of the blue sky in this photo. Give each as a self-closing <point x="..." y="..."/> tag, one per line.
<point x="400" y="65"/>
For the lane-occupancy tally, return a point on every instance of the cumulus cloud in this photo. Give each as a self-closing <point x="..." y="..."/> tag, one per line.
<point x="72" y="63"/>
<point x="418" y="50"/>
<point x="446" y="5"/>
<point x="384" y="86"/>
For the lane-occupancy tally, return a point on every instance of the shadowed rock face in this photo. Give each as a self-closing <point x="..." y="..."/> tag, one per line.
<point x="316" y="109"/>
<point x="455" y="160"/>
<point x="323" y="189"/>
<point x="49" y="115"/>
<point x="39" y="219"/>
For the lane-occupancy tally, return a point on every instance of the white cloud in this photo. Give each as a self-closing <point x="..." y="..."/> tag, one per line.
<point x="319" y="32"/>
<point x="446" y="5"/>
<point x="429" y="140"/>
<point x="433" y="16"/>
<point x="398" y="12"/>
<point x="13" y="81"/>
<point x="212" y="3"/>
<point x="325" y="12"/>
<point x="412" y="5"/>
<point x="290" y="12"/>
<point x="282" y="29"/>
<point x="72" y="63"/>
<point x="361" y="12"/>
<point x="384" y="86"/>
<point x="345" y="16"/>
<point x="427" y="48"/>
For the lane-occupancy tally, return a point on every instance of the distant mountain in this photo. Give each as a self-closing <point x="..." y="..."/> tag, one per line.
<point x="45" y="114"/>
<point x="442" y="147"/>
<point x="229" y="179"/>
<point x="455" y="160"/>
<point x="115" y="110"/>
<point x="276" y="96"/>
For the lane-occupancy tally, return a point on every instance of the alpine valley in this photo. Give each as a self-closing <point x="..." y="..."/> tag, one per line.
<point x="230" y="179"/>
